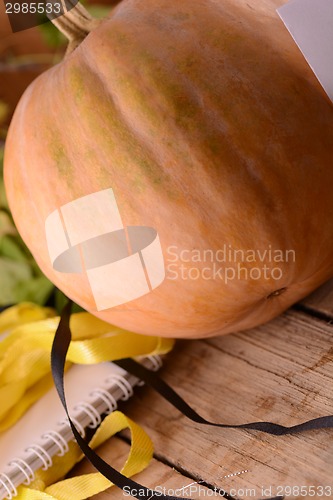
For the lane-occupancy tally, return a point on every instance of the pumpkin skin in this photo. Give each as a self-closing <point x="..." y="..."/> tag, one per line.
<point x="208" y="124"/>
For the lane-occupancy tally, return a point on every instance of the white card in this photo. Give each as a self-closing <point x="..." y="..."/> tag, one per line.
<point x="310" y="23"/>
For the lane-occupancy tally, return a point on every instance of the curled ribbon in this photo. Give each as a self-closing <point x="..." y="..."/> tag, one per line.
<point x="85" y="486"/>
<point x="25" y="372"/>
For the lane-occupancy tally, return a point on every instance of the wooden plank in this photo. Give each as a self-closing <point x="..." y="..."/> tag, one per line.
<point x="157" y="475"/>
<point x="321" y="300"/>
<point x="282" y="372"/>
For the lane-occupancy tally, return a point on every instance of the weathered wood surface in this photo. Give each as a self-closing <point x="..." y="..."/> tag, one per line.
<point x="158" y="475"/>
<point x="321" y="300"/>
<point x="280" y="372"/>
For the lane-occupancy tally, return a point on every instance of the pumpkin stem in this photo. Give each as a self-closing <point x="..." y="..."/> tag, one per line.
<point x="76" y="23"/>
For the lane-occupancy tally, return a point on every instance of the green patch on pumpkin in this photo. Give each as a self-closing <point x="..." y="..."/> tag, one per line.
<point x="77" y="83"/>
<point x="20" y="278"/>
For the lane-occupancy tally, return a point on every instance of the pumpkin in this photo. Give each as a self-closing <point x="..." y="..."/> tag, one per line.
<point x="209" y="126"/>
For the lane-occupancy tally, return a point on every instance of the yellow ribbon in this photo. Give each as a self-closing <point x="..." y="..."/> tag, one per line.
<point x="85" y="486"/>
<point x="25" y="352"/>
<point x="26" y="312"/>
<point x="25" y="375"/>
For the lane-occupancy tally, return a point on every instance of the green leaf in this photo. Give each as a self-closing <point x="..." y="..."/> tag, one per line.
<point x="6" y="224"/>
<point x="10" y="248"/>
<point x="37" y="290"/>
<point x="52" y="36"/>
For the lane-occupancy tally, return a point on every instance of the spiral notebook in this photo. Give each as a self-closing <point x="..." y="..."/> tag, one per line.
<point x="44" y="432"/>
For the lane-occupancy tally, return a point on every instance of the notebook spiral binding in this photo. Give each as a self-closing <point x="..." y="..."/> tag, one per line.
<point x="58" y="440"/>
<point x="89" y="415"/>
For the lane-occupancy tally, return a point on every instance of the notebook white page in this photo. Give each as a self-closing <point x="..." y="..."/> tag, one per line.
<point x="47" y="413"/>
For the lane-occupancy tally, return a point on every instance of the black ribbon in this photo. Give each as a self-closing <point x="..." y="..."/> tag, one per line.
<point x="154" y="381"/>
<point x="60" y="347"/>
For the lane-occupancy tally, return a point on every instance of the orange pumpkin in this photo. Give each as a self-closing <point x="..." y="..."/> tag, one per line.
<point x="209" y="126"/>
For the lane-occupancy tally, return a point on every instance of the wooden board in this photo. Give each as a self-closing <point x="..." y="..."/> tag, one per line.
<point x="158" y="476"/>
<point x="321" y="300"/>
<point x="280" y="372"/>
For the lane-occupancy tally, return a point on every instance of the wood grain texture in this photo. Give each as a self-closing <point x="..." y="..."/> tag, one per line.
<point x="280" y="372"/>
<point x="158" y="475"/>
<point x="321" y="300"/>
